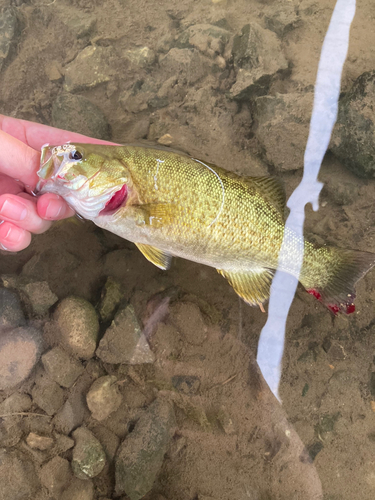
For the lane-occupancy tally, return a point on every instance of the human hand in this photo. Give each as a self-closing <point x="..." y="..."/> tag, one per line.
<point x="21" y="213"/>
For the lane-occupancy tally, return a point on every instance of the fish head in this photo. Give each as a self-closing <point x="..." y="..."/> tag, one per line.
<point x="88" y="176"/>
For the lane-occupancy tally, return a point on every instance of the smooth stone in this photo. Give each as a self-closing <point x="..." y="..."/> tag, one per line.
<point x="79" y="326"/>
<point x="78" y="114"/>
<point x="20" y="351"/>
<point x="11" y="314"/>
<point x="88" y="455"/>
<point x="39" y="442"/>
<point x="104" y="397"/>
<point x="61" y="367"/>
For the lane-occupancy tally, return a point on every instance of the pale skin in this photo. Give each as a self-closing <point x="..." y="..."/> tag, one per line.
<point x="21" y="213"/>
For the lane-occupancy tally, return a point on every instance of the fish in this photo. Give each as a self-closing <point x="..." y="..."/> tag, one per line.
<point x="173" y="205"/>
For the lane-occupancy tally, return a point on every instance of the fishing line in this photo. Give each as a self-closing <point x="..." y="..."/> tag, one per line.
<point x="323" y="118"/>
<point x="222" y="187"/>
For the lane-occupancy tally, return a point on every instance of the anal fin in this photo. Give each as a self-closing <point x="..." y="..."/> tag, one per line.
<point x="252" y="286"/>
<point x="159" y="258"/>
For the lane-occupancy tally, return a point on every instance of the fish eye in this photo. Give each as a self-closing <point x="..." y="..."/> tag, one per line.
<point x="75" y="155"/>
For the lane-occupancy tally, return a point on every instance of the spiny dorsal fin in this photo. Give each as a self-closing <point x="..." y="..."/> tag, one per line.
<point x="161" y="259"/>
<point x="253" y="286"/>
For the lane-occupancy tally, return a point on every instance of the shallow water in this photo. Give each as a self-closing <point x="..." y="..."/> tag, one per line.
<point x="233" y="439"/>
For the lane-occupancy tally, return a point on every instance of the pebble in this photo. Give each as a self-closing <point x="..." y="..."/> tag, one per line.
<point x="20" y="351"/>
<point x="282" y="128"/>
<point x="258" y="57"/>
<point x="88" y="455"/>
<point x="141" y="454"/>
<point x="111" y="297"/>
<point x="55" y="475"/>
<point x="40" y="296"/>
<point x="11" y="314"/>
<point x="47" y="394"/>
<point x="19" y="480"/>
<point x="186" y="63"/>
<point x="104" y="397"/>
<point x="79" y="326"/>
<point x="353" y="136"/>
<point x="78" y="114"/>
<point x="61" y="368"/>
<point x="282" y="21"/>
<point x="108" y="440"/>
<point x="186" y="384"/>
<point x="141" y="56"/>
<point x="188" y="320"/>
<point x="11" y="425"/>
<point x="9" y="30"/>
<point x="91" y="67"/>
<point x="124" y="342"/>
<point x="39" y="442"/>
<point x="79" y="490"/>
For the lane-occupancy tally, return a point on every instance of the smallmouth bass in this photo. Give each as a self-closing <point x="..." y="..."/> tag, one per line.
<point x="170" y="204"/>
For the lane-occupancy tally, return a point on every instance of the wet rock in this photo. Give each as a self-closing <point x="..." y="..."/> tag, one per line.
<point x="282" y="21"/>
<point x="353" y="136"/>
<point x="40" y="296"/>
<point x="61" y="368"/>
<point x="341" y="193"/>
<point x="54" y="72"/>
<point x="88" y="454"/>
<point x="8" y="33"/>
<point x="111" y="297"/>
<point x="188" y="320"/>
<point x="11" y="314"/>
<point x="104" y="397"/>
<point x="283" y="127"/>
<point x="141" y="454"/>
<point x="55" y="475"/>
<point x="91" y="67"/>
<point x="124" y="342"/>
<point x="11" y="424"/>
<point x="79" y="490"/>
<point x="141" y="56"/>
<point x="18" y="477"/>
<point x="63" y="443"/>
<point x="79" y="326"/>
<point x="80" y="24"/>
<point x="187" y="384"/>
<point x="207" y="38"/>
<point x="108" y="440"/>
<point x="50" y="265"/>
<point x="184" y="63"/>
<point x="78" y="114"/>
<point x="20" y="351"/>
<point x="47" y="394"/>
<point x="39" y="442"/>
<point x="258" y="57"/>
<point x="74" y="410"/>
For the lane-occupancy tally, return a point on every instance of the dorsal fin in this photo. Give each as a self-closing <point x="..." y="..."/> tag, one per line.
<point x="272" y="190"/>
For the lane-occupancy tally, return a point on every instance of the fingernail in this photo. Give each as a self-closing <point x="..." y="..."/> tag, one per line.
<point x="13" y="210"/>
<point x="13" y="235"/>
<point x="53" y="209"/>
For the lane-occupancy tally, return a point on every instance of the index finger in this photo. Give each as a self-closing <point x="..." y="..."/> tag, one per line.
<point x="19" y="140"/>
<point x="36" y="135"/>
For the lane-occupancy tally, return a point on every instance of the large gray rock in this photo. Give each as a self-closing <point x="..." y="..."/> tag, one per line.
<point x="78" y="114"/>
<point x="79" y="326"/>
<point x="18" y="476"/>
<point x="282" y="128"/>
<point x="353" y="136"/>
<point x="11" y="314"/>
<point x="20" y="351"/>
<point x="141" y="454"/>
<point x="124" y="342"/>
<point x="8" y="33"/>
<point x="258" y="57"/>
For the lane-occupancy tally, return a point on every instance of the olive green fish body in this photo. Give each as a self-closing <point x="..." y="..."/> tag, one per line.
<point x="172" y="205"/>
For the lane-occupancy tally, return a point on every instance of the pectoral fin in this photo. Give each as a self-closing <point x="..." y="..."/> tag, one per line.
<point x="159" y="258"/>
<point x="253" y="286"/>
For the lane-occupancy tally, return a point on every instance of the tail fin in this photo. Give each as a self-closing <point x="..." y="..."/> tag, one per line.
<point x="343" y="268"/>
